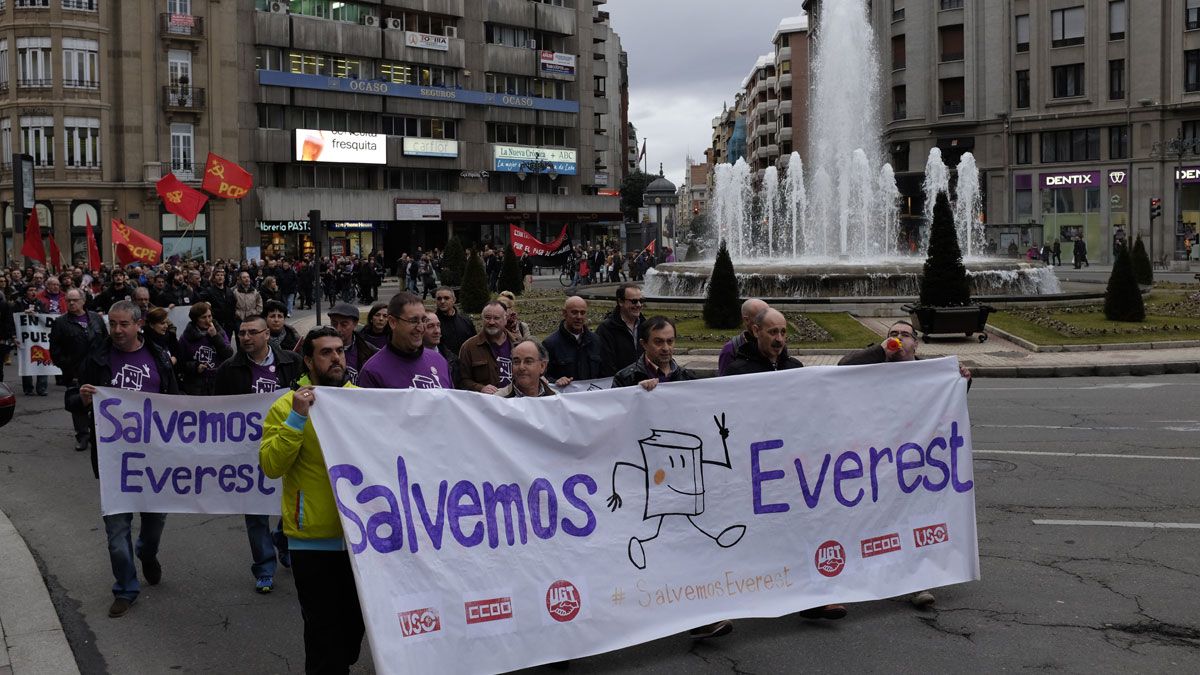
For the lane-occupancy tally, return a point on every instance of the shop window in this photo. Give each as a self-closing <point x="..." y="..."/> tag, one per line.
<point x="1024" y="205"/>
<point x="186" y="240"/>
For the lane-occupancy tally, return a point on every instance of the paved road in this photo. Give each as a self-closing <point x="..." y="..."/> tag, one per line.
<point x="1074" y="597"/>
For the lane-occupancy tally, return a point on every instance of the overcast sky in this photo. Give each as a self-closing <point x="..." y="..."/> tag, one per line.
<point x="685" y="58"/>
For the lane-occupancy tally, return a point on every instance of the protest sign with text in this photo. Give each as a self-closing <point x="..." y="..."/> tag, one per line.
<point x="33" y="344"/>
<point x="182" y="454"/>
<point x="491" y="534"/>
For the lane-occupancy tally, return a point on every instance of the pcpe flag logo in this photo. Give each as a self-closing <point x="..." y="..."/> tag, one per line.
<point x="886" y="543"/>
<point x="562" y="601"/>
<point x="419" y="622"/>
<point x="830" y="558"/>
<point x="493" y="609"/>
<point x="930" y="535"/>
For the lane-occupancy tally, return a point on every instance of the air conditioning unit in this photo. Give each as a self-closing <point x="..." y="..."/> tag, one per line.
<point x="564" y="190"/>
<point x="279" y="7"/>
<point x="370" y="21"/>
<point x="394" y="24"/>
<point x="532" y="44"/>
<point x="452" y="31"/>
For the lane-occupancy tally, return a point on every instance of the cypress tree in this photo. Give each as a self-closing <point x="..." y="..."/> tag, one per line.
<point x="1123" y="298"/>
<point x="1143" y="271"/>
<point x="944" y="281"/>
<point x="474" y="294"/>
<point x="454" y="261"/>
<point x="511" y="278"/>
<point x="722" y="307"/>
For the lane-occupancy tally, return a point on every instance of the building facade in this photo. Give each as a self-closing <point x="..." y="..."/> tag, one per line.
<point x="430" y="118"/>
<point x="1066" y="105"/>
<point x="108" y="97"/>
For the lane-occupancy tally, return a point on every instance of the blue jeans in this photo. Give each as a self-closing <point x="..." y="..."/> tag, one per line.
<point x="290" y="301"/>
<point x="121" y="549"/>
<point x="263" y="543"/>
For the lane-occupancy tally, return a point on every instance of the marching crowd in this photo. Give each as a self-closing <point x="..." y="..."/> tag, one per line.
<point x="237" y="341"/>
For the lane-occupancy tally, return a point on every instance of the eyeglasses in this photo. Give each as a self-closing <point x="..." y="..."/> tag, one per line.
<point x="251" y="333"/>
<point x="901" y="334"/>
<point x="639" y="301"/>
<point x="415" y="321"/>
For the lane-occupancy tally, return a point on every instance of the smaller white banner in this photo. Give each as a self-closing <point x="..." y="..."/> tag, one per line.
<point x="426" y="41"/>
<point x="182" y="454"/>
<point x="430" y="147"/>
<point x="418" y="209"/>
<point x="313" y="145"/>
<point x="33" y="344"/>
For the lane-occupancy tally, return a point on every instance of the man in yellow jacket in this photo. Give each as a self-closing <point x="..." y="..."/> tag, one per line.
<point x="333" y="623"/>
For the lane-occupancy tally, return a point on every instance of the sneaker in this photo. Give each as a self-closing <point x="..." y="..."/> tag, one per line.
<point x="119" y="607"/>
<point x="285" y="558"/>
<point x="152" y="570"/>
<point x="922" y="600"/>
<point x="830" y="612"/>
<point x="264" y="585"/>
<point x="712" y="630"/>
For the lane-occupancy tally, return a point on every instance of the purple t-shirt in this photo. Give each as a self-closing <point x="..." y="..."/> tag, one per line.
<point x="202" y="352"/>
<point x="135" y="371"/>
<point x="81" y="319"/>
<point x="389" y="369"/>
<point x="727" y="353"/>
<point x="263" y="378"/>
<point x="353" y="367"/>
<point x="379" y="341"/>
<point x="503" y="354"/>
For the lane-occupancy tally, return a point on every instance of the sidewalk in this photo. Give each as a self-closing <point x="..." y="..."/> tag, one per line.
<point x="31" y="637"/>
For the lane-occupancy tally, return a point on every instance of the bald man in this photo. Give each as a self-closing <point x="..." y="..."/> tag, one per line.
<point x="575" y="352"/>
<point x="766" y="350"/>
<point x="750" y="309"/>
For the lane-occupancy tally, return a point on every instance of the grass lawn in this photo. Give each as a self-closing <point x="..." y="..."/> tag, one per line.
<point x="1045" y="335"/>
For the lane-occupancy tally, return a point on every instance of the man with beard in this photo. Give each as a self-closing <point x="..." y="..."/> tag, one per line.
<point x="405" y="363"/>
<point x="333" y="623"/>
<point x="432" y="339"/>
<point x="486" y="359"/>
<point x="344" y="319"/>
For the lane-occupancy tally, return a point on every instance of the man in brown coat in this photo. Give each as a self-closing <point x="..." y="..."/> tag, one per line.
<point x="485" y="360"/>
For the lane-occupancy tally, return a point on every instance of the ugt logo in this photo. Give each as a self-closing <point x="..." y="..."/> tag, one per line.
<point x="419" y="622"/>
<point x="930" y="535"/>
<point x="562" y="601"/>
<point x="830" y="558"/>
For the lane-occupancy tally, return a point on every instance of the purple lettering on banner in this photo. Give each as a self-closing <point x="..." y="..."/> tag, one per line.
<point x="201" y="472"/>
<point x="181" y="473"/>
<point x="568" y="489"/>
<point x="225" y="477"/>
<point x="936" y="463"/>
<point x="840" y="473"/>
<point x="814" y="497"/>
<point x="262" y="484"/>
<point x="507" y="497"/>
<point x="542" y="529"/>
<point x="435" y="527"/>
<point x="1055" y="181"/>
<point x="902" y="466"/>
<point x="456" y="511"/>
<point x="957" y="442"/>
<point x="354" y="476"/>
<point x="126" y="472"/>
<point x="758" y="477"/>
<point x="877" y="455"/>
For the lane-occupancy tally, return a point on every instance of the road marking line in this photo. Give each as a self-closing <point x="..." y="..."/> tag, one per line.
<point x="1121" y="523"/>
<point x="1099" y="455"/>
<point x="1051" y="426"/>
<point x="1131" y="385"/>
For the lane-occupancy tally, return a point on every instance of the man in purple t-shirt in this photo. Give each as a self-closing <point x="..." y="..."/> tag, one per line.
<point x="405" y="363"/>
<point x="485" y="360"/>
<point x="750" y="309"/>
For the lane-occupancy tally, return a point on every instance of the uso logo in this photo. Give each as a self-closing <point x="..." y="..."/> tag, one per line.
<point x="494" y="609"/>
<point x="419" y="622"/>
<point x="830" y="558"/>
<point x="562" y="601"/>
<point x="930" y="535"/>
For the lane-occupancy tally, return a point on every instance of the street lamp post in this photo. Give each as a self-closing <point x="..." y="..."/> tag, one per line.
<point x="537" y="166"/>
<point x="1175" y="148"/>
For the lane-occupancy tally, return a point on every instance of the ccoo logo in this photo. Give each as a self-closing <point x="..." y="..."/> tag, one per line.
<point x="879" y="545"/>
<point x="830" y="558"/>
<point x="930" y="535"/>
<point x="562" y="601"/>
<point x="494" y="609"/>
<point x="419" y="622"/>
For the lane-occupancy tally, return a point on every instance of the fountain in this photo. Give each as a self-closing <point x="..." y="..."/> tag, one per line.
<point x="838" y="234"/>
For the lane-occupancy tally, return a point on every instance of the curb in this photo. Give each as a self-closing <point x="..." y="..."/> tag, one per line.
<point x="1074" y="370"/>
<point x="1099" y="347"/>
<point x="31" y="634"/>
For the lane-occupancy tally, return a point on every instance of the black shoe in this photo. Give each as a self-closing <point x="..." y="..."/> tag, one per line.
<point x="119" y="607"/>
<point x="152" y="570"/>
<point x="712" y="630"/>
<point x="831" y="612"/>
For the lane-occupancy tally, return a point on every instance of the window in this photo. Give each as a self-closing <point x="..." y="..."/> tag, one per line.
<point x="4" y="74"/>
<point x="601" y="85"/>
<point x="33" y="62"/>
<point x="516" y="36"/>
<point x="1116" y="79"/>
<point x="1191" y="70"/>
<point x="81" y="65"/>
<point x="1071" y="145"/>
<point x="332" y="9"/>
<point x="179" y="6"/>
<point x="899" y="58"/>
<point x="421" y="179"/>
<point x="1118" y="142"/>
<point x="80" y="5"/>
<point x="330" y="66"/>
<point x="270" y="116"/>
<point x="952" y="96"/>
<point x="419" y="74"/>
<point x="32" y="3"/>
<point x="81" y="142"/>
<point x="1116" y="20"/>
<point x="1022" y="33"/>
<point x="1192" y="14"/>
<point x="899" y="102"/>
<point x="1066" y="27"/>
<point x="37" y="139"/>
<point x="897" y="10"/>
<point x="1068" y="80"/>
<point x="419" y="22"/>
<point x="420" y="127"/>
<point x="525" y="134"/>
<point x="1022" y="88"/>
<point x="900" y="152"/>
<point x="1190" y="129"/>
<point x="950" y="4"/>
<point x="183" y="155"/>
<point x="6" y="146"/>
<point x="268" y="58"/>
<point x="1023" y="147"/>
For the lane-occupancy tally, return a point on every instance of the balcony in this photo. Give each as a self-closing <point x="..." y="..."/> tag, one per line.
<point x="952" y="107"/>
<point x="785" y="81"/>
<point x="183" y="99"/>
<point x="184" y="171"/>
<point x="181" y="26"/>
<point x="785" y="134"/>
<point x="600" y="93"/>
<point x="35" y="83"/>
<point x="783" y="54"/>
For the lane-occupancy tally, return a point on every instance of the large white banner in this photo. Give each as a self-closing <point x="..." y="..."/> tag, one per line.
<point x="492" y="534"/>
<point x="182" y="454"/>
<point x="33" y="344"/>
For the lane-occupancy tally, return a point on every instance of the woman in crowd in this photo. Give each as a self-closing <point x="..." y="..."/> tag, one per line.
<point x="202" y="348"/>
<point x="514" y="325"/>
<point x="160" y="332"/>
<point x="269" y="290"/>
<point x="283" y="336"/>
<point x="377" y="332"/>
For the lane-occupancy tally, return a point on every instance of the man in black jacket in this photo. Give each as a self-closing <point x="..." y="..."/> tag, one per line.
<point x="456" y="327"/>
<point x="259" y="367"/>
<point x="658" y="362"/>
<point x="119" y="289"/>
<point x="620" y="344"/>
<point x="71" y="335"/>
<point x="575" y="352"/>
<point x="221" y="301"/>
<point x="126" y="361"/>
<point x="768" y="350"/>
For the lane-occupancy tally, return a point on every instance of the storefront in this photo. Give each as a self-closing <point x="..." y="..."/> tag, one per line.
<point x="293" y="238"/>
<point x="1188" y="179"/>
<point x="1087" y="205"/>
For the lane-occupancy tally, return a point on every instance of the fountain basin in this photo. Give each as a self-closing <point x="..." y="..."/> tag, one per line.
<point x="842" y="279"/>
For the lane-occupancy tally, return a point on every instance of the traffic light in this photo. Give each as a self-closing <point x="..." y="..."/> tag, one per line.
<point x="1155" y="208"/>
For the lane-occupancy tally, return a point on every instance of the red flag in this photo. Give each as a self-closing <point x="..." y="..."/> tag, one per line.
<point x="523" y="242"/>
<point x="33" y="246"/>
<point x="93" y="249"/>
<point x="180" y="199"/>
<point x="133" y="246"/>
<point x="56" y="258"/>
<point x="223" y="178"/>
<point x="650" y="247"/>
<point x="642" y="154"/>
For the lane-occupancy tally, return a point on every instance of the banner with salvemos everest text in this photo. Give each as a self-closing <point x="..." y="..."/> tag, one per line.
<point x="182" y="454"/>
<point x="492" y="534"/>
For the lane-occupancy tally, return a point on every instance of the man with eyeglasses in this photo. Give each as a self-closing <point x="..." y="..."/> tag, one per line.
<point x="618" y="333"/>
<point x="70" y="336"/>
<point x="405" y="363"/>
<point x="126" y="361"/>
<point x="900" y="345"/>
